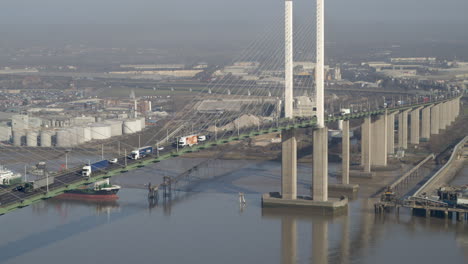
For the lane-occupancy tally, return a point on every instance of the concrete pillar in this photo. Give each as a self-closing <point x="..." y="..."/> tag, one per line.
<point x="288" y="38"/>
<point x="289" y="164"/>
<point x="443" y="116"/>
<point x="345" y="153"/>
<point x="403" y="130"/>
<point x="320" y="167"/>
<point x="288" y="239"/>
<point x="319" y="241"/>
<point x="448" y="113"/>
<point x="366" y="144"/>
<point x="391" y="133"/>
<point x="435" y="124"/>
<point x="379" y="141"/>
<point x="426" y="124"/>
<point x="414" y="136"/>
<point x="454" y="110"/>
<point x="451" y="112"/>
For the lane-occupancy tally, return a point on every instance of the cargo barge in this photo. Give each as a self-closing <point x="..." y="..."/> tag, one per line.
<point x="101" y="190"/>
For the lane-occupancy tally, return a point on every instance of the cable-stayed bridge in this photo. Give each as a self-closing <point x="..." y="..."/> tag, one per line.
<point x="277" y="57"/>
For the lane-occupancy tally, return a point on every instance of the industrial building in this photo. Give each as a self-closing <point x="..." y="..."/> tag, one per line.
<point x="66" y="131"/>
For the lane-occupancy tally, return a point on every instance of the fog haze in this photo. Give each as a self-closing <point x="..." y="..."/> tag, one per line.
<point x="228" y="26"/>
<point x="155" y="11"/>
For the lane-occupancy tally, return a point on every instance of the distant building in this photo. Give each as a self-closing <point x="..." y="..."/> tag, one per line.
<point x="304" y="106"/>
<point x="416" y="60"/>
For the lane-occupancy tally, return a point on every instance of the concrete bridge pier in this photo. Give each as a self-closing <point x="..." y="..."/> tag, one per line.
<point x="454" y="110"/>
<point x="450" y="112"/>
<point x="320" y="200"/>
<point x="443" y="117"/>
<point x="345" y="153"/>
<point x="426" y="124"/>
<point x="366" y="147"/>
<point x="435" y="120"/>
<point x="345" y="188"/>
<point x="415" y="129"/>
<point x="379" y="141"/>
<point x="320" y="166"/>
<point x="391" y="133"/>
<point x="403" y="129"/>
<point x="289" y="164"/>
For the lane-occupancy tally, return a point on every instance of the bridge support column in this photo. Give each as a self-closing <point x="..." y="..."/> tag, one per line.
<point x="414" y="136"/>
<point x="288" y="239"/>
<point x="451" y="112"/>
<point x="320" y="167"/>
<point x="345" y="153"/>
<point x="454" y="109"/>
<point x="443" y="116"/>
<point x="289" y="165"/>
<point x="426" y="124"/>
<point x="403" y="130"/>
<point x="435" y="119"/>
<point x="379" y="141"/>
<point x="366" y="133"/>
<point x="391" y="133"/>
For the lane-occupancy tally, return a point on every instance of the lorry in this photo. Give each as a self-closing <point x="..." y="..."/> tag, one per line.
<point x="345" y="111"/>
<point x="31" y="186"/>
<point x="141" y="152"/>
<point x="188" y="140"/>
<point x="88" y="169"/>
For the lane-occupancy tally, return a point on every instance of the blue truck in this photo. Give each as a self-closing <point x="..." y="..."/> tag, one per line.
<point x="97" y="166"/>
<point x="141" y="152"/>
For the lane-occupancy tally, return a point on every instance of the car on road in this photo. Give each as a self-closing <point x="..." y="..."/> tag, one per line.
<point x="113" y="161"/>
<point x="160" y="148"/>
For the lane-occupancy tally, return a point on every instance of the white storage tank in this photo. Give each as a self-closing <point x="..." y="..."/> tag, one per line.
<point x="63" y="139"/>
<point x="87" y="134"/>
<point x="116" y="127"/>
<point x="73" y="136"/>
<point x="100" y="131"/>
<point x="5" y="133"/>
<point x="31" y="139"/>
<point x="46" y="138"/>
<point x="80" y="135"/>
<point x="18" y="137"/>
<point x="138" y="125"/>
<point x="142" y="122"/>
<point x="131" y="126"/>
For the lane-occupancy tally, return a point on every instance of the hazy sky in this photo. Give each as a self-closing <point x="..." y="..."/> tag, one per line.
<point x="159" y="11"/>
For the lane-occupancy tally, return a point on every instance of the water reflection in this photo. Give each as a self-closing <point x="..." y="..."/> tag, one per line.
<point x="62" y="206"/>
<point x="319" y="229"/>
<point x="354" y="237"/>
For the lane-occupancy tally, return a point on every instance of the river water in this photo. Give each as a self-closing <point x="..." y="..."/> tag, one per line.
<point x="207" y="225"/>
